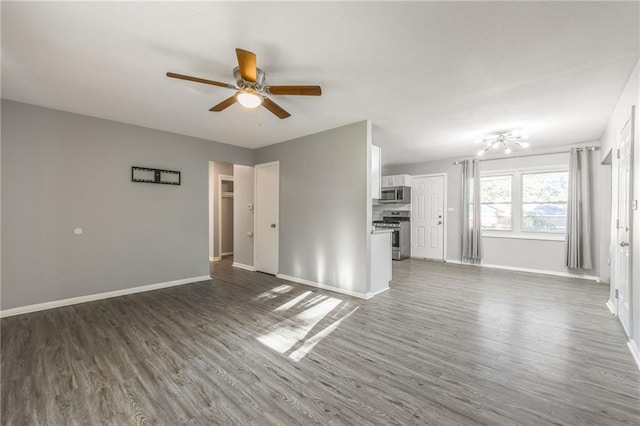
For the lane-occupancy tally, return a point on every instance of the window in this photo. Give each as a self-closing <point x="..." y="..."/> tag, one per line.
<point x="523" y="203"/>
<point x="544" y="202"/>
<point x="495" y="196"/>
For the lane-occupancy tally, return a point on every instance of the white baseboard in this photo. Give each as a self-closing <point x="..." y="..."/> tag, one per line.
<point x="98" y="296"/>
<point x="211" y="259"/>
<point x="611" y="307"/>
<point x="215" y="259"/>
<point x="634" y="351"/>
<point x="243" y="266"/>
<point x="535" y="271"/>
<point x="323" y="286"/>
<point x="375" y="293"/>
<point x="229" y="253"/>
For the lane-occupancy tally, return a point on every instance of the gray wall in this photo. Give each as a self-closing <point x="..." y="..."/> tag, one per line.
<point x="61" y="171"/>
<point x="324" y="206"/>
<point x="519" y="253"/>
<point x="243" y="216"/>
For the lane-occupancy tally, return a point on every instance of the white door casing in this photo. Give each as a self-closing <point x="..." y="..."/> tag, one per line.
<point x="624" y="223"/>
<point x="427" y="216"/>
<point x="267" y="226"/>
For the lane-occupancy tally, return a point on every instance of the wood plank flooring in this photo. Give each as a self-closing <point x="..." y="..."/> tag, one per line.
<point x="446" y="345"/>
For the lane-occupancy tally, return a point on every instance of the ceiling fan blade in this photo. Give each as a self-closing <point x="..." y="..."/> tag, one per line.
<point x="295" y="90"/>
<point x="224" y="104"/>
<point x="247" y="63"/>
<point x="200" y="80"/>
<point x="275" y="108"/>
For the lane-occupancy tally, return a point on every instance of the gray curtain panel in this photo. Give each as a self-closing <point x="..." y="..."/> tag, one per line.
<point x="471" y="226"/>
<point x="579" y="236"/>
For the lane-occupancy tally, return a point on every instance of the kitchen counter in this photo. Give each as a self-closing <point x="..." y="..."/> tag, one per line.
<point x="381" y="231"/>
<point x="380" y="261"/>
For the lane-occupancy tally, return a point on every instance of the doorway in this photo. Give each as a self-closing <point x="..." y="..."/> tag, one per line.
<point x="221" y="210"/>
<point x="225" y="215"/>
<point x="428" y="198"/>
<point x="267" y="188"/>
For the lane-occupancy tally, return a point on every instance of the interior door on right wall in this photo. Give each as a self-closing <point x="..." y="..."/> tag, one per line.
<point x="623" y="276"/>
<point x="266" y="231"/>
<point x="427" y="217"/>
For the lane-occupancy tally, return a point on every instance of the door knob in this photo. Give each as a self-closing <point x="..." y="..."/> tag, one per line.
<point x="273" y="225"/>
<point x="623" y="244"/>
<point x="439" y="222"/>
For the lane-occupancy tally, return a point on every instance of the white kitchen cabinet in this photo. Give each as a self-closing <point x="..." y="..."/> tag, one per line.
<point x="396" y="180"/>
<point x="376" y="171"/>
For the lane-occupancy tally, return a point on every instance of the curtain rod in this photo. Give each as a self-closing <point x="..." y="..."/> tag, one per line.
<point x="588" y="148"/>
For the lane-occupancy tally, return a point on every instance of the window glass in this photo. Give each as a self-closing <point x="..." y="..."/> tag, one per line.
<point x="495" y="196"/>
<point x="544" y="202"/>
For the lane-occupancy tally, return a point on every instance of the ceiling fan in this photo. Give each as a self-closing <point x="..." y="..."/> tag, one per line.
<point x="251" y="91"/>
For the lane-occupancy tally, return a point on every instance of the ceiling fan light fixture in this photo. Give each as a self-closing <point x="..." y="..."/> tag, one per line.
<point x="249" y="99"/>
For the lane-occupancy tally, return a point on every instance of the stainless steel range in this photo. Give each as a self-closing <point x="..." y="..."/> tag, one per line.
<point x="400" y="222"/>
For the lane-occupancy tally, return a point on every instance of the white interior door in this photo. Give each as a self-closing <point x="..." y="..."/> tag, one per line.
<point x="427" y="217"/>
<point x="625" y="150"/>
<point x="266" y="228"/>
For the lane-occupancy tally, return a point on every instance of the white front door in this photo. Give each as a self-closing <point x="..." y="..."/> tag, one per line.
<point x="266" y="217"/>
<point x="427" y="217"/>
<point x="625" y="150"/>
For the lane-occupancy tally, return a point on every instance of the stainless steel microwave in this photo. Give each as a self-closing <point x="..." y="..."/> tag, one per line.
<point x="396" y="194"/>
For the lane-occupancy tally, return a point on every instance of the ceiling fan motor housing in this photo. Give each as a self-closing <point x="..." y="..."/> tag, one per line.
<point x="243" y="84"/>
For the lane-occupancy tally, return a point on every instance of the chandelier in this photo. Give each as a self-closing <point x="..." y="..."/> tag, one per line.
<point x="505" y="140"/>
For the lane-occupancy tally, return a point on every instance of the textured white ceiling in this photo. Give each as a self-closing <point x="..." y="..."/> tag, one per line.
<point x="432" y="77"/>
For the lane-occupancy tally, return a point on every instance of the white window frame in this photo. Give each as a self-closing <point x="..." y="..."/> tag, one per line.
<point x="516" y="204"/>
<point x="511" y="173"/>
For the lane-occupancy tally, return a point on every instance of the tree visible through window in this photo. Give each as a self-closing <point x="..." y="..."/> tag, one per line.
<point x="523" y="202"/>
<point x="495" y="196"/>
<point x="544" y="202"/>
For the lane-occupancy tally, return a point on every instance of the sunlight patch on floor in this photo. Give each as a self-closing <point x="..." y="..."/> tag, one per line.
<point x="293" y="302"/>
<point x="274" y="292"/>
<point x="291" y="334"/>
<point x="308" y="344"/>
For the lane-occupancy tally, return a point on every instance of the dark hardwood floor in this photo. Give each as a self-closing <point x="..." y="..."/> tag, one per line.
<point x="447" y="344"/>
